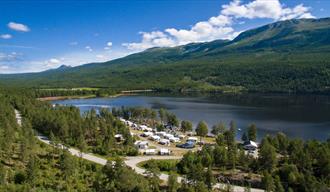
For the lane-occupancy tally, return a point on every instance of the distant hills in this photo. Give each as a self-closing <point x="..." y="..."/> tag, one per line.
<point x="286" y="56"/>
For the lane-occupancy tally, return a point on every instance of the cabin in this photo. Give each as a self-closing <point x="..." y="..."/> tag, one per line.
<point x="142" y="144"/>
<point x="250" y="145"/>
<point x="164" y="151"/>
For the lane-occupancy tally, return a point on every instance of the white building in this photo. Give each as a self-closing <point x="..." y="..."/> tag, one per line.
<point x="119" y="137"/>
<point x="250" y="145"/>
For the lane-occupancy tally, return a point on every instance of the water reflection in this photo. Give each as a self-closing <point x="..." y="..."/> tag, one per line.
<point x="303" y="116"/>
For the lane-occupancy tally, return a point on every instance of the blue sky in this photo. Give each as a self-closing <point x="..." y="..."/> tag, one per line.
<point x="36" y="36"/>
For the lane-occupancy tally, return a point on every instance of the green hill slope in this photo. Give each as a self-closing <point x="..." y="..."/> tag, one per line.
<point x="286" y="56"/>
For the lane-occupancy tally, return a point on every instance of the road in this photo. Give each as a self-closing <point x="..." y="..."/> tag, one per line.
<point x="131" y="162"/>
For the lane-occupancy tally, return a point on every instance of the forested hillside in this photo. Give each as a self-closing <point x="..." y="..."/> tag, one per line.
<point x="26" y="164"/>
<point x="286" y="56"/>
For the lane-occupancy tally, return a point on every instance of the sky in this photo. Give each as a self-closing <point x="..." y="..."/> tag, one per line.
<point x="40" y="35"/>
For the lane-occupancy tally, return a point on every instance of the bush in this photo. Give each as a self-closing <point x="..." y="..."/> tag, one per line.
<point x="19" y="177"/>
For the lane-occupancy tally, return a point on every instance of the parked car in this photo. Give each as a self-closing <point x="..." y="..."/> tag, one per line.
<point x="187" y="145"/>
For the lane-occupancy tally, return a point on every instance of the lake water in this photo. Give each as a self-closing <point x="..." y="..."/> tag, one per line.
<point x="306" y="117"/>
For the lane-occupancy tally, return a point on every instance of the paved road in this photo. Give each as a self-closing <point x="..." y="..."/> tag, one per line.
<point x="134" y="161"/>
<point x="129" y="161"/>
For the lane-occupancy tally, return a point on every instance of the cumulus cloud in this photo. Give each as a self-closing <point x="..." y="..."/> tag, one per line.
<point x="6" y="36"/>
<point x="108" y="46"/>
<point x="18" y="27"/>
<point x="89" y="48"/>
<point x="4" y="67"/>
<point x="10" y="57"/>
<point x="272" y="9"/>
<point x="220" y="26"/>
<point x="152" y="39"/>
<point x="52" y="62"/>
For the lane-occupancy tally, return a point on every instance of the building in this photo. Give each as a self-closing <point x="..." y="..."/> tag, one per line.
<point x="119" y="137"/>
<point x="250" y="145"/>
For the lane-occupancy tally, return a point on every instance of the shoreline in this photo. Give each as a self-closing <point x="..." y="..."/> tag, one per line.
<point x="57" y="98"/>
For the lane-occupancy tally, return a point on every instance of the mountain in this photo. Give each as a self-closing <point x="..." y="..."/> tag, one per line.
<point x="285" y="56"/>
<point x="60" y="68"/>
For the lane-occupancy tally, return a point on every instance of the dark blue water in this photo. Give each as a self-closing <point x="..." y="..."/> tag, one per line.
<point x="306" y="117"/>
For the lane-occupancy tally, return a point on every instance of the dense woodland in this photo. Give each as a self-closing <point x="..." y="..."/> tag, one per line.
<point x="26" y="164"/>
<point x="282" y="164"/>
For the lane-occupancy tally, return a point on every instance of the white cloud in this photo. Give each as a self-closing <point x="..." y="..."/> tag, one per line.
<point x="4" y="67"/>
<point x="6" y="36"/>
<point x="10" y="57"/>
<point x="53" y="62"/>
<point x="272" y="9"/>
<point x="221" y="26"/>
<point x="21" y="65"/>
<point x="18" y="27"/>
<point x="89" y="48"/>
<point x="108" y="46"/>
<point x="152" y="39"/>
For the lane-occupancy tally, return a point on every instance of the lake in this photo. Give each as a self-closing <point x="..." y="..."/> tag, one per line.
<point x="298" y="116"/>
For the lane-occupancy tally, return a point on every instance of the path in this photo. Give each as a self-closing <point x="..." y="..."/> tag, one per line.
<point x="134" y="161"/>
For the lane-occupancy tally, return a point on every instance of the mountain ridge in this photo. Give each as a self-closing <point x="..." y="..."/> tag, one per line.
<point x="282" y="49"/>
